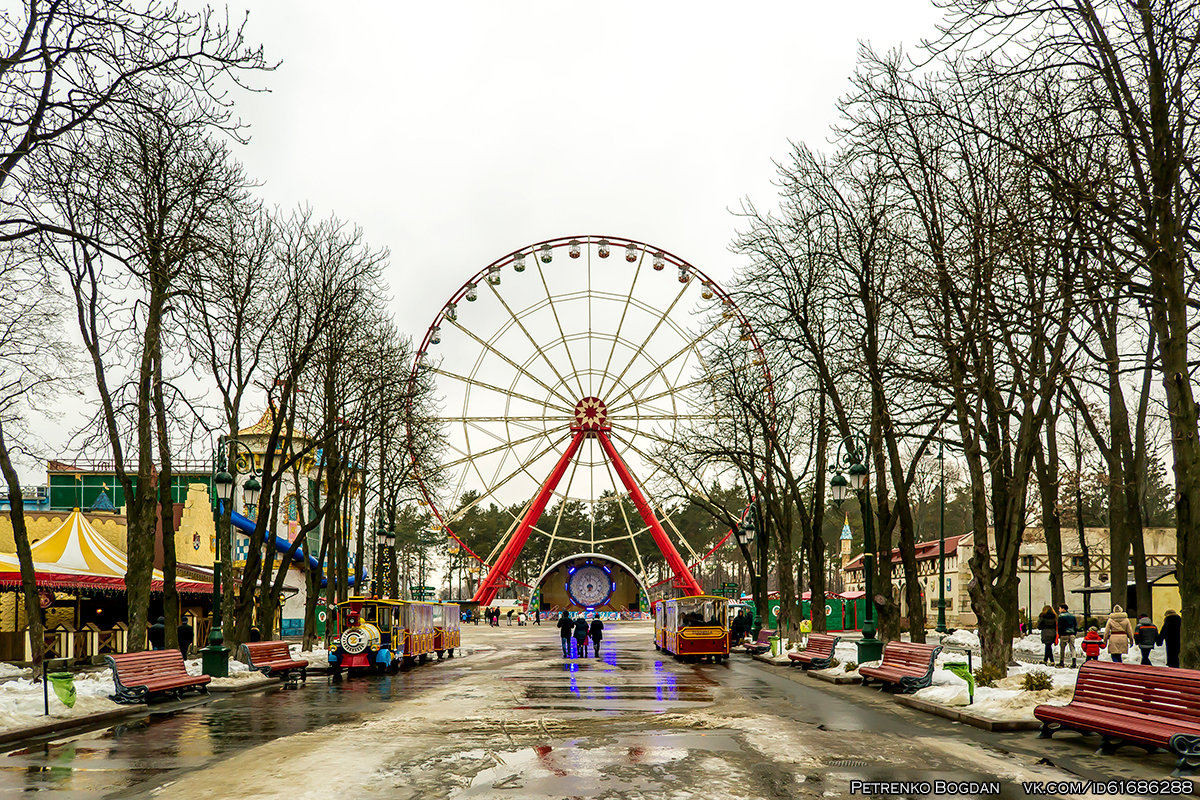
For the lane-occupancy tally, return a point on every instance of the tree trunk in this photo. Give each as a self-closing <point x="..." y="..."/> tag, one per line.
<point x="166" y="508"/>
<point x="1046" y="466"/>
<point x="16" y="502"/>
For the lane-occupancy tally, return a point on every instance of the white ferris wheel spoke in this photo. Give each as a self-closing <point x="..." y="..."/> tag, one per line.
<point x="538" y="348"/>
<point x="624" y="312"/>
<point x="650" y="336"/>
<point x="618" y="498"/>
<point x="660" y="366"/>
<point x="558" y="322"/>
<point x="508" y="445"/>
<point x="491" y="490"/>
<point x="656" y="508"/>
<point x="497" y="389"/>
<point x="491" y="348"/>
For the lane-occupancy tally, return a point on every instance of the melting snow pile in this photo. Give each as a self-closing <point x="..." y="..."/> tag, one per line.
<point x="1004" y="701"/>
<point x="315" y="658"/>
<point x="238" y="672"/>
<point x="962" y="638"/>
<point x="21" y="703"/>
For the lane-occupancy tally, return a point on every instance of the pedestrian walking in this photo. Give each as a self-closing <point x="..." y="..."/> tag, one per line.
<point x="1091" y="644"/>
<point x="565" y="626"/>
<point x="737" y="628"/>
<point x="1169" y="635"/>
<point x="1068" y="624"/>
<point x="537" y="617"/>
<point x="581" y="636"/>
<point x="510" y="617"/>
<point x="1047" y="624"/>
<point x="596" y="632"/>
<point x="156" y="634"/>
<point x="1146" y="636"/>
<point x="1118" y="633"/>
<point x="187" y="635"/>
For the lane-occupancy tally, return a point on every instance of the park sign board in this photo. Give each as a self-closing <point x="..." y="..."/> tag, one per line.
<point x="422" y="592"/>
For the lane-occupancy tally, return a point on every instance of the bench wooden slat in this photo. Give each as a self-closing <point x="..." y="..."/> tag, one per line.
<point x="1148" y="706"/>
<point x="908" y="665"/>
<point x="136" y="676"/>
<point x="274" y="657"/>
<point x="817" y="653"/>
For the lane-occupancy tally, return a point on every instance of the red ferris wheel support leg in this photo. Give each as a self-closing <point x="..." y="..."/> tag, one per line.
<point x="683" y="576"/>
<point x="498" y="572"/>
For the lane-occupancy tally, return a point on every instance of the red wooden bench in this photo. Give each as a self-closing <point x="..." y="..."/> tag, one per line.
<point x="274" y="658"/>
<point x="137" y="676"/>
<point x="908" y="665"/>
<point x="1151" y="707"/>
<point x="763" y="644"/>
<point x="818" y="653"/>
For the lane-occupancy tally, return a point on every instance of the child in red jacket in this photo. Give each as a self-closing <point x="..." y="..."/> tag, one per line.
<point x="1091" y="644"/>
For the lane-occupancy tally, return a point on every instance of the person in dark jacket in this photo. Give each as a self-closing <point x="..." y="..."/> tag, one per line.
<point x="1146" y="635"/>
<point x="1047" y="624"/>
<point x="596" y="632"/>
<point x="156" y="634"/>
<point x="581" y="635"/>
<point x="565" y="626"/>
<point x="1169" y="635"/>
<point x="737" y="629"/>
<point x="1068" y="625"/>
<point x="187" y="635"/>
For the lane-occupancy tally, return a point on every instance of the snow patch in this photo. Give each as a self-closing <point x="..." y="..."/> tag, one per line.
<point x="21" y="700"/>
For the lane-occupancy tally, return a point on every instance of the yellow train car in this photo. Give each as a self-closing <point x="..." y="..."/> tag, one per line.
<point x="417" y="631"/>
<point x="694" y="627"/>
<point x="447" y="635"/>
<point x="659" y="626"/>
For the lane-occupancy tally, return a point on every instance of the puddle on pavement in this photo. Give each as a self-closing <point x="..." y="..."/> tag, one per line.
<point x="631" y="765"/>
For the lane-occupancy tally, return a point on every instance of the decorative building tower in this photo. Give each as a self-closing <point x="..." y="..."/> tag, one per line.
<point x="846" y="539"/>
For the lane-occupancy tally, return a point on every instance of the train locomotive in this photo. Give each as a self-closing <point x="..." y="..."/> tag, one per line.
<point x="374" y="634"/>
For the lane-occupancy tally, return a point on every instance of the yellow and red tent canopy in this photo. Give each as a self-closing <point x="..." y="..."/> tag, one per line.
<point x="75" y="556"/>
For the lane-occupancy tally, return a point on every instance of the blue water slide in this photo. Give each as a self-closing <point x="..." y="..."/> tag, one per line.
<point x="247" y="526"/>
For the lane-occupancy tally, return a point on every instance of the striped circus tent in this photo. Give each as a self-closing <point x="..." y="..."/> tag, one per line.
<point x="75" y="556"/>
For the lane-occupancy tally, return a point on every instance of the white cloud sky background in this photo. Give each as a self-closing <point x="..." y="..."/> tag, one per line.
<point x="456" y="132"/>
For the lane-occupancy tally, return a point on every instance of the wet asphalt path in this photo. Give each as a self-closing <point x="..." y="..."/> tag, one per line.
<point x="512" y="718"/>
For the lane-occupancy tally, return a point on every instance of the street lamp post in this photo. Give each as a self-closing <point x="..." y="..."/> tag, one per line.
<point x="379" y="583"/>
<point x="941" y="621"/>
<point x="852" y="455"/>
<point x="214" y="658"/>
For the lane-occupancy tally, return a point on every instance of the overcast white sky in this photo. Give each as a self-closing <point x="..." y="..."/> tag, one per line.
<point x="456" y="132"/>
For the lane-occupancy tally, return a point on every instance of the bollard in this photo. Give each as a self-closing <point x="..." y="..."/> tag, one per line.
<point x="971" y="669"/>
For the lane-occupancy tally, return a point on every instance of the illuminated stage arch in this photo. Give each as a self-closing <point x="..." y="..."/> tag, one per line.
<point x="590" y="582"/>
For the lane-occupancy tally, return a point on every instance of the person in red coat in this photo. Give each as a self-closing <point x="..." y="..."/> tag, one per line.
<point x="1092" y="644"/>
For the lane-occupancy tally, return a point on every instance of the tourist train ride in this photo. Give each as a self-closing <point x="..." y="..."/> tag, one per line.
<point x="693" y="627"/>
<point x="447" y="619"/>
<point x="373" y="633"/>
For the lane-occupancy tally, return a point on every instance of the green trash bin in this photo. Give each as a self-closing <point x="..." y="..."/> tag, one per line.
<point x="64" y="687"/>
<point x="774" y="640"/>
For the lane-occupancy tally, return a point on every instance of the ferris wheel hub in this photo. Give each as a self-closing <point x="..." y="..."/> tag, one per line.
<point x="591" y="414"/>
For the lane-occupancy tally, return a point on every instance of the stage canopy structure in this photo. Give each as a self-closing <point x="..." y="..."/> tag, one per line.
<point x="75" y="556"/>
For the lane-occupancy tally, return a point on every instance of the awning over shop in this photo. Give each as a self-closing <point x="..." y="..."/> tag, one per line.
<point x="75" y="556"/>
<point x="1155" y="575"/>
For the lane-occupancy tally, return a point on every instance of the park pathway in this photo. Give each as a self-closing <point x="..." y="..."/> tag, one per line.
<point x="513" y="719"/>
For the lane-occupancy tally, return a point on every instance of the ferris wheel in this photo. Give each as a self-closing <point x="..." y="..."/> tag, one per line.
<point x="565" y="371"/>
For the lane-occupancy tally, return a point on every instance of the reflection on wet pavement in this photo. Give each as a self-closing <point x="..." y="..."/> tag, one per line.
<point x="143" y="753"/>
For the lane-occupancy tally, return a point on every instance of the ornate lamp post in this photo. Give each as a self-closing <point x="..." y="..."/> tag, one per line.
<point x="852" y="454"/>
<point x="379" y="583"/>
<point x="215" y="657"/>
<point x="941" y="619"/>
